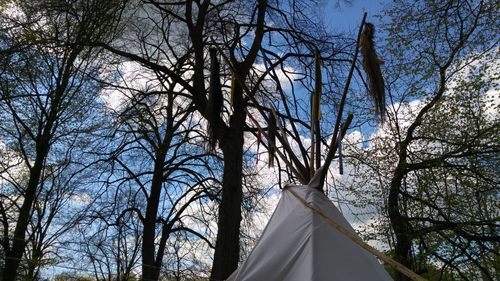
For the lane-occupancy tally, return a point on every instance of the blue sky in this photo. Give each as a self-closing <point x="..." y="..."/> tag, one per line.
<point x="346" y="17"/>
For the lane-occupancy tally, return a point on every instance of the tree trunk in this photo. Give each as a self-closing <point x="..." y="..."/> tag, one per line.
<point x="14" y="255"/>
<point x="399" y="223"/>
<point x="227" y="244"/>
<point x="227" y="247"/>
<point x="34" y="265"/>
<point x="150" y="268"/>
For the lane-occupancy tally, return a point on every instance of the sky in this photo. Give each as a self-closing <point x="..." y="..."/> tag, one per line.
<point x="342" y="16"/>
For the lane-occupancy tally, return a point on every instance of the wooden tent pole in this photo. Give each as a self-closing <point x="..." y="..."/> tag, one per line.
<point x="281" y="155"/>
<point x="317" y="105"/>
<point x="333" y="147"/>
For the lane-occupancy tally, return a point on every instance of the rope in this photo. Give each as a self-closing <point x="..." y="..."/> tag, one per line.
<point x="399" y="267"/>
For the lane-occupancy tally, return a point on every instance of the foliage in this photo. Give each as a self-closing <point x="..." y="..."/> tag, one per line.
<point x="431" y="171"/>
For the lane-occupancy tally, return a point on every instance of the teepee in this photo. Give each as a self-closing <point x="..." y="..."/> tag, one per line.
<point x="299" y="245"/>
<point x="307" y="238"/>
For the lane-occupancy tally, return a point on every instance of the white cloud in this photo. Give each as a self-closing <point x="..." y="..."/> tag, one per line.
<point x="285" y="75"/>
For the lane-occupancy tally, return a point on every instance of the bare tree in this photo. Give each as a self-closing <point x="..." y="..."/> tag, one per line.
<point x="157" y="170"/>
<point x="184" y="31"/>
<point x="44" y="88"/>
<point x="194" y="19"/>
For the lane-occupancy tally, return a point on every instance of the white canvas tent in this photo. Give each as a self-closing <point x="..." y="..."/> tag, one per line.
<point x="299" y="245"/>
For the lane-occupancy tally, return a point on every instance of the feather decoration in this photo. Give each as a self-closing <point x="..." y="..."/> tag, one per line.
<point x="271" y="137"/>
<point x="215" y="100"/>
<point x="371" y="65"/>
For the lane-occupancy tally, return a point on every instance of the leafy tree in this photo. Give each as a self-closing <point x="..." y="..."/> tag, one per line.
<point x="434" y="163"/>
<point x="72" y="277"/>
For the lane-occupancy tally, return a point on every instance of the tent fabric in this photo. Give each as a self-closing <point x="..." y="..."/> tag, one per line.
<point x="298" y="245"/>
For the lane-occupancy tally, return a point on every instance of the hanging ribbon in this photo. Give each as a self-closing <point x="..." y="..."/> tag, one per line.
<point x="341" y="162"/>
<point x="233" y="84"/>
<point x="215" y="100"/>
<point x="272" y="136"/>
<point x="259" y="139"/>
